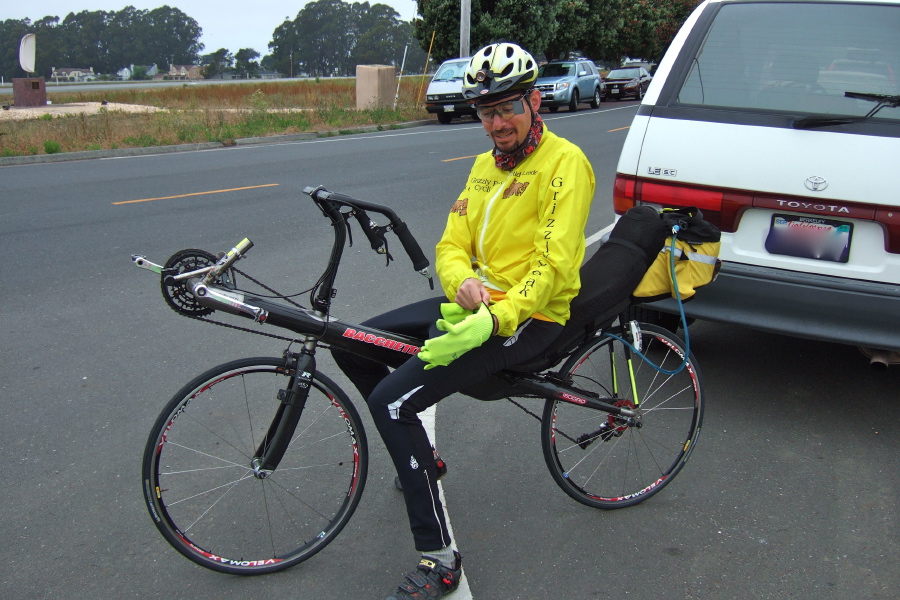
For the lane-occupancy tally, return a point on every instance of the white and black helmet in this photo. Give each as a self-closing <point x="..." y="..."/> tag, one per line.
<point x="498" y="69"/>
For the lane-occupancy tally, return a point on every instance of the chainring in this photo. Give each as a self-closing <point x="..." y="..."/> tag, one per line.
<point x="177" y="295"/>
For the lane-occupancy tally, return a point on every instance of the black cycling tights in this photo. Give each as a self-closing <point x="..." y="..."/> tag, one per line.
<point x="395" y="399"/>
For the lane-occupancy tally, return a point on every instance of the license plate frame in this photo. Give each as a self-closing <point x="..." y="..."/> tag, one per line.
<point x="810" y="236"/>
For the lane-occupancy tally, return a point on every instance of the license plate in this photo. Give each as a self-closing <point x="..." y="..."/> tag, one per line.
<point x="810" y="237"/>
<point x="543" y="94"/>
<point x="448" y="108"/>
<point x="614" y="91"/>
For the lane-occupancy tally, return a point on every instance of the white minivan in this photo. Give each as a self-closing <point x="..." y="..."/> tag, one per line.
<point x="780" y="120"/>
<point x="444" y="94"/>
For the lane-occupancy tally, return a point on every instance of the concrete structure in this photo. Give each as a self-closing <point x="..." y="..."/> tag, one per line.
<point x="29" y="91"/>
<point x="375" y="86"/>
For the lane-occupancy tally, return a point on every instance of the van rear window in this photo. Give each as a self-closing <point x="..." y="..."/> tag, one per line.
<point x="797" y="58"/>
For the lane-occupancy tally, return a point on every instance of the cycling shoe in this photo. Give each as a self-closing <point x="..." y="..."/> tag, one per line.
<point x="431" y="580"/>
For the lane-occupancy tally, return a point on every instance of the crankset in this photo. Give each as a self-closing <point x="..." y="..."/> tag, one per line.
<point x="176" y="293"/>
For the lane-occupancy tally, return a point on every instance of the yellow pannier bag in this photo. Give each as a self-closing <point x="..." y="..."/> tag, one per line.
<point x="697" y="263"/>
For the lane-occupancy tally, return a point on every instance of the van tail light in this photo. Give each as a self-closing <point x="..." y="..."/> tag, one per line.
<point x="623" y="193"/>
<point x="720" y="207"/>
<point x="723" y="207"/>
<point x="889" y="218"/>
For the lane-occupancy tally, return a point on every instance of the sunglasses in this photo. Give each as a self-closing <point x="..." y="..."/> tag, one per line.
<point x="507" y="110"/>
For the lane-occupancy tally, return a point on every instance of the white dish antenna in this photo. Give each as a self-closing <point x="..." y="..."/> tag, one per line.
<point x="26" y="52"/>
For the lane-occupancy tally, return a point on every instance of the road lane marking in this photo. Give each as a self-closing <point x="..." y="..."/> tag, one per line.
<point x="596" y="237"/>
<point x="459" y="158"/>
<point x="428" y="420"/>
<point x="252" y="187"/>
<point x="619" y="129"/>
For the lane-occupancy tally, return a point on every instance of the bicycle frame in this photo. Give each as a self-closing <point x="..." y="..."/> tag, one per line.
<point x="315" y="326"/>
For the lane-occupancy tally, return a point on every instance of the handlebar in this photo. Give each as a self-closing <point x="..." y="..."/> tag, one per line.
<point x="195" y="282"/>
<point x="329" y="203"/>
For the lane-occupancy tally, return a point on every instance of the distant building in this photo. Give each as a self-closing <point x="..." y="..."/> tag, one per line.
<point x="184" y="72"/>
<point x="73" y="74"/>
<point x="127" y="73"/>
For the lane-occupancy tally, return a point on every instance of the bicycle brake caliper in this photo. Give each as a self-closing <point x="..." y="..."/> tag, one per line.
<point x="634" y="331"/>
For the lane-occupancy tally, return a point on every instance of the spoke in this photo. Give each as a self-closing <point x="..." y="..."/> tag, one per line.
<point x="230" y="485"/>
<point x="206" y="454"/>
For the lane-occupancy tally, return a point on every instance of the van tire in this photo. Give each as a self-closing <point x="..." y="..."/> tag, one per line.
<point x="444" y="118"/>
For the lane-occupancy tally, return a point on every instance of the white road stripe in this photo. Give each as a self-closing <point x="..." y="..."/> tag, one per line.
<point x="428" y="417"/>
<point x="596" y="237"/>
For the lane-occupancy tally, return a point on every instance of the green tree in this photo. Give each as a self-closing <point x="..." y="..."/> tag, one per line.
<point x="600" y="29"/>
<point x="282" y="49"/>
<point x="644" y="28"/>
<point x="174" y="37"/>
<point x="216" y="62"/>
<point x="245" y="64"/>
<point x="379" y="35"/>
<point x="323" y="41"/>
<point x="441" y="18"/>
<point x="11" y="32"/>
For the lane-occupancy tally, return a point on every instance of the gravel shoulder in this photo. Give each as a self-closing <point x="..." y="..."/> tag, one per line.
<point x="15" y="113"/>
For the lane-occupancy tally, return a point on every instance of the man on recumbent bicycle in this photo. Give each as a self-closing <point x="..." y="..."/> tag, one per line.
<point x="508" y="261"/>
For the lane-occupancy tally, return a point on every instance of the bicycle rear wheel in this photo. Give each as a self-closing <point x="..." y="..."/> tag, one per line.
<point x="200" y="487"/>
<point x="604" y="461"/>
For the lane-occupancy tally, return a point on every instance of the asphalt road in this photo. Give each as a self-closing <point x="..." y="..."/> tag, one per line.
<point x="791" y="492"/>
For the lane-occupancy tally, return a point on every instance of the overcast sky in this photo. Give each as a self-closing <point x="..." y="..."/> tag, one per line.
<point x="230" y="24"/>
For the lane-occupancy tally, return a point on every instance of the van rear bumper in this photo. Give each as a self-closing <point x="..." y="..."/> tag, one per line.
<point x="461" y="108"/>
<point x="819" y="307"/>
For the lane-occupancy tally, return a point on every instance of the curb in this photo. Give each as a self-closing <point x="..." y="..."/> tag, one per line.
<point x="272" y="139"/>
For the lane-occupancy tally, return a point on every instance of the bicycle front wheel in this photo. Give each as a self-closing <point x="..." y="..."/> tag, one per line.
<point x="202" y="491"/>
<point x="605" y="461"/>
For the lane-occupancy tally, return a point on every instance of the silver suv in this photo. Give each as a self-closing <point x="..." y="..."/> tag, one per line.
<point x="780" y="120"/>
<point x="568" y="83"/>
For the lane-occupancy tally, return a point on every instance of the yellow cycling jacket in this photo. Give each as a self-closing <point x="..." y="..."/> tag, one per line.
<point x="521" y="232"/>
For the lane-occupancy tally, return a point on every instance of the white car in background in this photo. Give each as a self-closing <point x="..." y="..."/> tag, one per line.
<point x="444" y="94"/>
<point x="780" y="120"/>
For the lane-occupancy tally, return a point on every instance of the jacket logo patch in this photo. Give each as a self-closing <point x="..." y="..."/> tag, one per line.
<point x="516" y="187"/>
<point x="461" y="207"/>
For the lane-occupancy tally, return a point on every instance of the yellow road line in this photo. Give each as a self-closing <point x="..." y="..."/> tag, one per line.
<point x="619" y="129"/>
<point x="252" y="187"/>
<point x="459" y="158"/>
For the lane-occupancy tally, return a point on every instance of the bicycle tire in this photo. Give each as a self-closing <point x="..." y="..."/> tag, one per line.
<point x="600" y="460"/>
<point x="200" y="487"/>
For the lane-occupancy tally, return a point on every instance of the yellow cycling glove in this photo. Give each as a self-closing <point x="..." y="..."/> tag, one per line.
<point x="453" y="313"/>
<point x="461" y="337"/>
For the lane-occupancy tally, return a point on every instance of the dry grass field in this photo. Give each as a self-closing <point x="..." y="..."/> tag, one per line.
<point x="133" y="117"/>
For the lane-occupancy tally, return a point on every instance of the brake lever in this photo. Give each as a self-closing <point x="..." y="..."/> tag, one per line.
<point x="379" y="231"/>
<point x="347" y="216"/>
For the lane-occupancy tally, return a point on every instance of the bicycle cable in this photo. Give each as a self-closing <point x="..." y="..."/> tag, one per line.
<point x="275" y="293"/>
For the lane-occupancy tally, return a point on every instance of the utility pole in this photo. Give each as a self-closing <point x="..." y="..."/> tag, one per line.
<point x="465" y="17"/>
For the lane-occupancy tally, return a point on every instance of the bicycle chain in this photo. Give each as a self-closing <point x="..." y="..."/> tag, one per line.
<point x="254" y="331"/>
